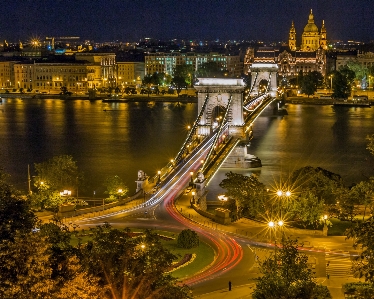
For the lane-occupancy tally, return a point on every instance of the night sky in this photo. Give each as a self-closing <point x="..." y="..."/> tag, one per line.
<point x="108" y="20"/>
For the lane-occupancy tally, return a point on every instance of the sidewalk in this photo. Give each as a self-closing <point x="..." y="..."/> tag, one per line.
<point x="239" y="292"/>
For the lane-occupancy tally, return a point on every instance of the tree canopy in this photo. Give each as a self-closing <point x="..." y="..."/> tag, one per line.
<point x="211" y="69"/>
<point x="363" y="239"/>
<point x="285" y="275"/>
<point x="15" y="214"/>
<point x="322" y="182"/>
<point x="342" y="82"/>
<point x="248" y="192"/>
<point x="115" y="187"/>
<point x="310" y="82"/>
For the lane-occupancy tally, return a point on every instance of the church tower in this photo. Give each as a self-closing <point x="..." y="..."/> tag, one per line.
<point x="292" y="38"/>
<point x="310" y="37"/>
<point x="323" y="39"/>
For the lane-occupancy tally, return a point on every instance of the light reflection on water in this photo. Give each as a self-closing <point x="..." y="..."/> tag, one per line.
<point x="133" y="136"/>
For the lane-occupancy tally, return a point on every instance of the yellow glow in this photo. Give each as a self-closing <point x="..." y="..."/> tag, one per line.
<point x="280" y="223"/>
<point x="288" y="193"/>
<point x="279" y="193"/>
<point x="271" y="224"/>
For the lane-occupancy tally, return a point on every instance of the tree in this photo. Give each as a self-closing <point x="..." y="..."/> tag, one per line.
<point x="359" y="290"/>
<point x="59" y="173"/>
<point x="15" y="214"/>
<point x="285" y="275"/>
<point x="248" y="192"/>
<point x="186" y="71"/>
<point x="363" y="239"/>
<point x="359" y="69"/>
<point x="211" y="69"/>
<point x="310" y="82"/>
<point x="188" y="239"/>
<point x="308" y="209"/>
<point x="342" y="82"/>
<point x="130" y="267"/>
<point x="321" y="182"/>
<point x="370" y="144"/>
<point x="53" y="176"/>
<point x="347" y="204"/>
<point x="179" y="83"/>
<point x="363" y="192"/>
<point x="24" y="268"/>
<point x="115" y="187"/>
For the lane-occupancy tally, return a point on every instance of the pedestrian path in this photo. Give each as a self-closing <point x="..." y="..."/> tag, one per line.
<point x="338" y="265"/>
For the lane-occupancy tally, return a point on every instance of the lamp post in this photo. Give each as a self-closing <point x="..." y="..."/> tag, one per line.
<point x="119" y="193"/>
<point x="275" y="225"/>
<point x="331" y="82"/>
<point x="191" y="173"/>
<point x="159" y="177"/>
<point x="281" y="195"/>
<point x="325" y="228"/>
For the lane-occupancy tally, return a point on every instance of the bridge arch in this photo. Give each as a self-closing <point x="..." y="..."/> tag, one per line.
<point x="214" y="95"/>
<point x="262" y="72"/>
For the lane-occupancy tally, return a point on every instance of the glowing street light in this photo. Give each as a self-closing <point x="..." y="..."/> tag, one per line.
<point x="191" y="173"/>
<point x="159" y="177"/>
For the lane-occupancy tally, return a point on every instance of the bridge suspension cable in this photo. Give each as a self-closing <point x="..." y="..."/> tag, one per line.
<point x="192" y="131"/>
<point x="247" y="99"/>
<point x="222" y="125"/>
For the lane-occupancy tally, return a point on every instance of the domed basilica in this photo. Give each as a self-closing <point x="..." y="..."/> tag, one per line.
<point x="291" y="59"/>
<point x="312" y="38"/>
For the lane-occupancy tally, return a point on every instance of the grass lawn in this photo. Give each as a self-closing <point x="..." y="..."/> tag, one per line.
<point x="339" y="227"/>
<point x="204" y="257"/>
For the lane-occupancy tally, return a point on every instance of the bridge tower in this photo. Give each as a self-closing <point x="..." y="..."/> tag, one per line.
<point x="218" y="92"/>
<point x="264" y="78"/>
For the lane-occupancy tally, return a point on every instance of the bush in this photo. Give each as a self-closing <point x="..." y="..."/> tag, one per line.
<point x="188" y="239"/>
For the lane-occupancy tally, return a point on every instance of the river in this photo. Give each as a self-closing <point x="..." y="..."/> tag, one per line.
<point x="121" y="138"/>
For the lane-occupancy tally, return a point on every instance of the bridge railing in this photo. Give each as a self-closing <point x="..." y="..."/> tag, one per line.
<point x="192" y="131"/>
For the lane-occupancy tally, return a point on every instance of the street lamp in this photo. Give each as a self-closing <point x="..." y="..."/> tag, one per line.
<point x="191" y="173"/>
<point x="120" y="193"/>
<point x="159" y="177"/>
<point x="331" y="81"/>
<point x="281" y="194"/>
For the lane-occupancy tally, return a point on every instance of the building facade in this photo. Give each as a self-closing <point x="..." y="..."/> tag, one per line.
<point x="166" y="62"/>
<point x="309" y="56"/>
<point x="129" y="73"/>
<point x="312" y="38"/>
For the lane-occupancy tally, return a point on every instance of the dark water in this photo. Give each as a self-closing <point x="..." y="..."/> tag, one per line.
<point x="118" y="141"/>
<point x="129" y="137"/>
<point x="333" y="138"/>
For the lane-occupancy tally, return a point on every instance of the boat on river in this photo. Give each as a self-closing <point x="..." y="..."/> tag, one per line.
<point x="115" y="101"/>
<point x="352" y="103"/>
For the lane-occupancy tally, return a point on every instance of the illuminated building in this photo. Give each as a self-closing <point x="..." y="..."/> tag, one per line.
<point x="166" y="62"/>
<point x="309" y="57"/>
<point x="129" y="73"/>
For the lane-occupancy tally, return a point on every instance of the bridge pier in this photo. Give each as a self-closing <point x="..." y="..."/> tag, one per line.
<point x="241" y="158"/>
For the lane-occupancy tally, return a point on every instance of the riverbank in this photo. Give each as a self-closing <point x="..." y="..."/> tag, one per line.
<point x="124" y="99"/>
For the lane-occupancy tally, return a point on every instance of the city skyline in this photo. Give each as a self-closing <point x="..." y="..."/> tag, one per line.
<point x="132" y="20"/>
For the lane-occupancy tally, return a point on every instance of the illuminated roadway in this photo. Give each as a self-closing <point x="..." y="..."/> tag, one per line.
<point x="230" y="252"/>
